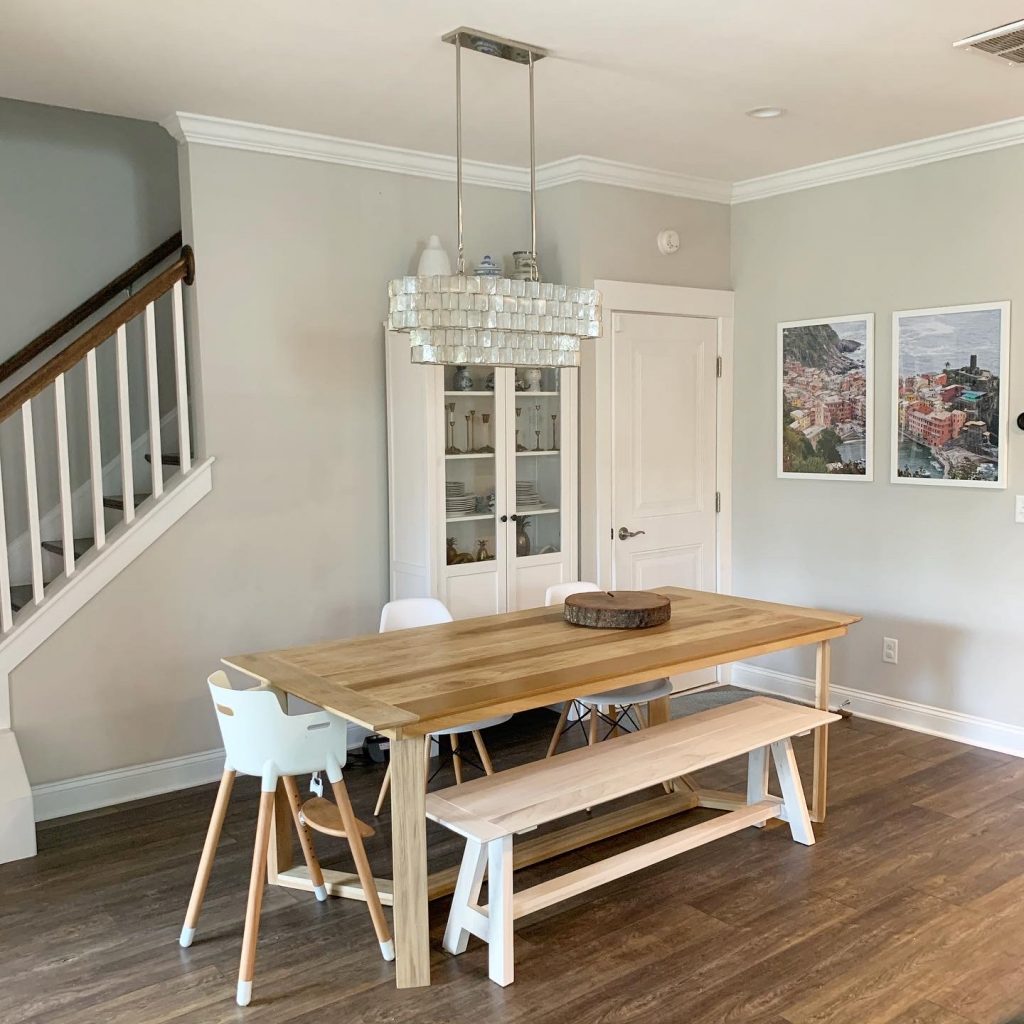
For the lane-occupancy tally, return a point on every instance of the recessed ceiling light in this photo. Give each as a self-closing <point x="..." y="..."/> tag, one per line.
<point x="766" y="112"/>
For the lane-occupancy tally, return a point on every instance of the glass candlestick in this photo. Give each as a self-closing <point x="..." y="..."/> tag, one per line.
<point x="489" y="446"/>
<point x="554" y="431"/>
<point x="519" y="447"/>
<point x="472" y="430"/>
<point x="537" y="425"/>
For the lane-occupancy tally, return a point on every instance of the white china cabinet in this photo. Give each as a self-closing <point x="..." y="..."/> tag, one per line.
<point x="483" y="482"/>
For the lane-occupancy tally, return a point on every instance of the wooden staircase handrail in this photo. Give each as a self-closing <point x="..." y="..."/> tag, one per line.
<point x="84" y="310"/>
<point x="182" y="269"/>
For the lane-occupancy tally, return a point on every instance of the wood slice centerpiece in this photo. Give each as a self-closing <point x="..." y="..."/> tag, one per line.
<point x="618" y="609"/>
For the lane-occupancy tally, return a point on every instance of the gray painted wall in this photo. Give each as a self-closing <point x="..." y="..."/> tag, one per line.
<point x="941" y="569"/>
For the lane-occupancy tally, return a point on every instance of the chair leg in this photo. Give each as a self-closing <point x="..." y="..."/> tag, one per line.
<point x="195" y="903"/>
<point x="355" y="842"/>
<point x="792" y="792"/>
<point x="559" y="729"/>
<point x="426" y="760"/>
<point x="592" y="709"/>
<point x="456" y="758"/>
<point x="613" y="714"/>
<point x="255" y="904"/>
<point x="481" y="749"/>
<point x="500" y="958"/>
<point x="384" y="787"/>
<point x="757" y="777"/>
<point x="467" y="894"/>
<point x="305" y="841"/>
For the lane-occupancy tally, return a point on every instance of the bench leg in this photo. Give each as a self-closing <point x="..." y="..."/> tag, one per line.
<point x="757" y="777"/>
<point x="499" y="910"/>
<point x="467" y="894"/>
<point x="792" y="792"/>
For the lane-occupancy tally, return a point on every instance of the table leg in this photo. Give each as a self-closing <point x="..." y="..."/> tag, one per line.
<point x="281" y="854"/>
<point x="409" y="856"/>
<point x="823" y="669"/>
<point x="658" y="713"/>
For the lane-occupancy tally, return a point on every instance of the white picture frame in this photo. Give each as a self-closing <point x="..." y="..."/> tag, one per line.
<point x="945" y="336"/>
<point x="861" y="330"/>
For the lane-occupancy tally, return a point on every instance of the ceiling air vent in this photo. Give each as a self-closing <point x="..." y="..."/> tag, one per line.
<point x="1005" y="43"/>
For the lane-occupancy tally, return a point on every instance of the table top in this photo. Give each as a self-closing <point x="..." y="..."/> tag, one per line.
<point x="413" y="681"/>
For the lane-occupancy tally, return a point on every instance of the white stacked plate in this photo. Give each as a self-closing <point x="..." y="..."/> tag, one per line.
<point x="461" y="506"/>
<point x="454" y="488"/>
<point x="526" y="495"/>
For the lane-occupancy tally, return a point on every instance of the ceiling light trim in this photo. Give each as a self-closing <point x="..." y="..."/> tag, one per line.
<point x="980" y="139"/>
<point x="201" y="129"/>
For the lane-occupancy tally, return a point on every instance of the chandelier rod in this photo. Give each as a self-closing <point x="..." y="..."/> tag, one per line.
<point x="533" y="171"/>
<point x="461" y="264"/>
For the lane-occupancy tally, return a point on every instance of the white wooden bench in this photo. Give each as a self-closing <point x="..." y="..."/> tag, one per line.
<point x="490" y="811"/>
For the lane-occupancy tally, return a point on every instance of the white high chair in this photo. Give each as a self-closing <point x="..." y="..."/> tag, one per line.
<point x="619" y="703"/>
<point x="407" y="613"/>
<point x="262" y="739"/>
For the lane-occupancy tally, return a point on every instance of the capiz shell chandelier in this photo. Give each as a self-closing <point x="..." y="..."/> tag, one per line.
<point x="468" y="319"/>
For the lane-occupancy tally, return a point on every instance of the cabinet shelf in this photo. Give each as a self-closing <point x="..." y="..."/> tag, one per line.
<point x="472" y="455"/>
<point x="471" y="394"/>
<point x="547" y="510"/>
<point x="543" y="451"/>
<point x="533" y="394"/>
<point x="466" y="519"/>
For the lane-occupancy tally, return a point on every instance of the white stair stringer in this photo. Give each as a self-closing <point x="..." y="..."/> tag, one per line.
<point x="62" y="598"/>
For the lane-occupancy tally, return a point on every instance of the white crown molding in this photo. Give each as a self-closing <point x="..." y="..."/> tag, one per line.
<point x="880" y="161"/>
<point x="216" y="131"/>
<point x="906" y="714"/>
<point x="646" y="179"/>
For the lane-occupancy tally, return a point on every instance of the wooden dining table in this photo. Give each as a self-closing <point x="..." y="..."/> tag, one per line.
<point x="409" y="683"/>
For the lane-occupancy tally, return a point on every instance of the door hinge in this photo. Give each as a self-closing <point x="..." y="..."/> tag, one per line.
<point x="718" y="501"/>
<point x="718" y="367"/>
<point x="611" y="533"/>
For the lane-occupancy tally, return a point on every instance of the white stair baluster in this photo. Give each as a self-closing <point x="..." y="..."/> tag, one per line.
<point x="152" y="385"/>
<point x="6" y="612"/>
<point x="125" y="425"/>
<point x="95" y="457"/>
<point x="32" y="497"/>
<point x="64" y="474"/>
<point x="181" y="378"/>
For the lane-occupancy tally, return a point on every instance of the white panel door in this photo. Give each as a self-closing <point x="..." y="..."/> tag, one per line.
<point x="664" y="396"/>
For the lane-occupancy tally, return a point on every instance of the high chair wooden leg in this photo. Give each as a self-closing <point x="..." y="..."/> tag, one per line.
<point x="255" y="904"/>
<point x="355" y="842"/>
<point x="305" y="841"/>
<point x="481" y="749"/>
<point x="594" y="716"/>
<point x="456" y="758"/>
<point x="384" y="787"/>
<point x="559" y="729"/>
<point x="195" y="903"/>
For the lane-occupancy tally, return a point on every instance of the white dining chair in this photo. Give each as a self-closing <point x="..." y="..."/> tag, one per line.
<point x="262" y="739"/>
<point x="407" y="613"/>
<point x="614" y="707"/>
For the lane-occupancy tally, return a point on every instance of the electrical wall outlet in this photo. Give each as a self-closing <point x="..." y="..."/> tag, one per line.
<point x="1018" y="509"/>
<point x="890" y="650"/>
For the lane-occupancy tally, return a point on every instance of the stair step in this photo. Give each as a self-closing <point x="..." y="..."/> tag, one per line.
<point x="116" y="501"/>
<point x="168" y="458"/>
<point x="56" y="547"/>
<point x="21" y="595"/>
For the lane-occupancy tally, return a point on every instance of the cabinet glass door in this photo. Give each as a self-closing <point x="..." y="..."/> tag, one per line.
<point x="538" y="462"/>
<point x="470" y="464"/>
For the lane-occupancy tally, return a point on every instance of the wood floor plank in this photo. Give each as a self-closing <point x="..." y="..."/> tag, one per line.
<point x="908" y="910"/>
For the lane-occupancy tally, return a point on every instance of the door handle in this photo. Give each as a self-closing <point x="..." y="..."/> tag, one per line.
<point x="625" y="534"/>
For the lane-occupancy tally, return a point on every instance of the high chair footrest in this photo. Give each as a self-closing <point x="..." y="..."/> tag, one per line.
<point x="322" y="815"/>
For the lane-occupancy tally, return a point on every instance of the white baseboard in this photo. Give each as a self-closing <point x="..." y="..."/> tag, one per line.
<point x="137" y="781"/>
<point x="906" y="714"/>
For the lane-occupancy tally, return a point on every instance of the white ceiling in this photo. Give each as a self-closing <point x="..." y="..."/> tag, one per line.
<point x="660" y="83"/>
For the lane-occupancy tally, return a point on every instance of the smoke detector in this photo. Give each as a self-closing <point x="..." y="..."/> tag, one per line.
<point x="1005" y="43"/>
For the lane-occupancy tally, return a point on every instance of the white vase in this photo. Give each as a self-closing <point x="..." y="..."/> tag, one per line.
<point x="434" y="260"/>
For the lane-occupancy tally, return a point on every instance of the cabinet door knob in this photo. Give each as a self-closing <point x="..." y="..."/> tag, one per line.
<point x="504" y="519"/>
<point x="514" y="518"/>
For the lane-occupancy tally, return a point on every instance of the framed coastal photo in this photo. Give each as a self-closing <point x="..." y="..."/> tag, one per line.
<point x="826" y="398"/>
<point x="950" y="405"/>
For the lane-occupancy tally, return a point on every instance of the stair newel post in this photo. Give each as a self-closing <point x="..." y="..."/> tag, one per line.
<point x="95" y="458"/>
<point x="125" y="425"/>
<point x="6" y="611"/>
<point x="181" y="377"/>
<point x="32" y="501"/>
<point x="60" y="407"/>
<point x="153" y="389"/>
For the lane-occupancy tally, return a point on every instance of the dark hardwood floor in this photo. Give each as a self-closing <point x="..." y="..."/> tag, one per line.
<point x="909" y="910"/>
